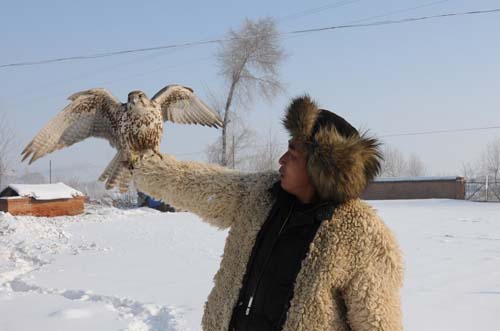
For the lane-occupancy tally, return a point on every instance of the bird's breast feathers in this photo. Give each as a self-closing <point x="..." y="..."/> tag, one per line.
<point x="142" y="130"/>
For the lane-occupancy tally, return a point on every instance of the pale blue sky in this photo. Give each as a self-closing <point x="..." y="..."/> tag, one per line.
<point x="428" y="75"/>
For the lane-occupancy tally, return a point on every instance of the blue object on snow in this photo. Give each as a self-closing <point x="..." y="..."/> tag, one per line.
<point x="152" y="203"/>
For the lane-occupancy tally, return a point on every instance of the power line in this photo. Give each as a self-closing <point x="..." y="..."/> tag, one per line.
<point x="404" y="20"/>
<point x="14" y="101"/>
<point x="310" y="11"/>
<point x="316" y="10"/>
<point x="384" y="136"/>
<point x="214" y="41"/>
<point x="341" y="3"/>
<point x="86" y="74"/>
<point x="398" y="11"/>
<point x="440" y="131"/>
<point x="108" y="54"/>
<point x="143" y="58"/>
<point x="384" y="14"/>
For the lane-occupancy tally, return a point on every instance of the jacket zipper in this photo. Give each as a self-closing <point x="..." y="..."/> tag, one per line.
<point x="250" y="301"/>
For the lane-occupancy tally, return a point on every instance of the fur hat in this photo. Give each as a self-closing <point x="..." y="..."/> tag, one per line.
<point x="341" y="162"/>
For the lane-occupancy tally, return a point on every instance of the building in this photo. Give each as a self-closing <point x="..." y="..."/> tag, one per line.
<point x="449" y="187"/>
<point x="41" y="200"/>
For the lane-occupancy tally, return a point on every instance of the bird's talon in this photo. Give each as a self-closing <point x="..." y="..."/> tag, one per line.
<point x="159" y="154"/>
<point x="132" y="162"/>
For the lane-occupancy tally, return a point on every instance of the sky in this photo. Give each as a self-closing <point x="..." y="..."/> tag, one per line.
<point x="436" y="74"/>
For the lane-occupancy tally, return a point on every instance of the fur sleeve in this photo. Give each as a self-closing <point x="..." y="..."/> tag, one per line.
<point x="212" y="192"/>
<point x="372" y="295"/>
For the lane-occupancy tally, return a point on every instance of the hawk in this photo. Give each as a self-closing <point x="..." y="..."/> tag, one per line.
<point x="132" y="128"/>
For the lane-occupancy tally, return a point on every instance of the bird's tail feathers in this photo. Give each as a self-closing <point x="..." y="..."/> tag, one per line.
<point x="117" y="173"/>
<point x="111" y="167"/>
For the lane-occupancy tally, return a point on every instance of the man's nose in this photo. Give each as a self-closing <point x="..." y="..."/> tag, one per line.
<point x="282" y="159"/>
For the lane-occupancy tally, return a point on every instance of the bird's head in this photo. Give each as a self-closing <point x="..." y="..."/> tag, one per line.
<point x="138" y="98"/>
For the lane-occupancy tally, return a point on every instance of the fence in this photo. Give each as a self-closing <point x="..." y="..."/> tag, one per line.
<point x="482" y="190"/>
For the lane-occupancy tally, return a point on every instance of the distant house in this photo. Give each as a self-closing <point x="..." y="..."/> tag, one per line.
<point x="448" y="187"/>
<point x="41" y="200"/>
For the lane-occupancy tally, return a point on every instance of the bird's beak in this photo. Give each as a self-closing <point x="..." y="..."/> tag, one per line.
<point x="132" y="100"/>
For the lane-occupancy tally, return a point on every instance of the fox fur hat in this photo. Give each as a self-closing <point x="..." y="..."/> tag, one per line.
<point x="341" y="162"/>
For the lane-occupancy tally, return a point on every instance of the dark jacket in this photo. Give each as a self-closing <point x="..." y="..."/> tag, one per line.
<point x="281" y="245"/>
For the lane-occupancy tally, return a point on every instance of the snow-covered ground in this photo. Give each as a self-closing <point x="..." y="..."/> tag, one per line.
<point x="113" y="269"/>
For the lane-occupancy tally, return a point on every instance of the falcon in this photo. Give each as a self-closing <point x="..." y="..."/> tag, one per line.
<point x="132" y="128"/>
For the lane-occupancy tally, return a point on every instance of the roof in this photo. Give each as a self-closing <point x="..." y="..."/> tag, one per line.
<point x="45" y="191"/>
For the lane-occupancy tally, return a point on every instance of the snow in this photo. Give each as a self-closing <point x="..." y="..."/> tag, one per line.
<point x="139" y="269"/>
<point x="46" y="191"/>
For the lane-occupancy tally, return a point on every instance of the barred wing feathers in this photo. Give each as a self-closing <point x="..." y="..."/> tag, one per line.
<point x="91" y="113"/>
<point x="180" y="105"/>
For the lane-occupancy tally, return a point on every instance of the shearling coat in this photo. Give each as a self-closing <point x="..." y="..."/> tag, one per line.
<point x="349" y="280"/>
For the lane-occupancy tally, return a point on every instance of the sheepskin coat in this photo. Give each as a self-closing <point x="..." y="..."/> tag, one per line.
<point x="349" y="280"/>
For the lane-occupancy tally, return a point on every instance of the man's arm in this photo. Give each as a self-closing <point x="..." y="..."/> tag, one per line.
<point x="372" y="296"/>
<point x="212" y="192"/>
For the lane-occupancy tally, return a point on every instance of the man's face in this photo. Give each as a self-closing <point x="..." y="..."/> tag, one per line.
<point x="293" y="170"/>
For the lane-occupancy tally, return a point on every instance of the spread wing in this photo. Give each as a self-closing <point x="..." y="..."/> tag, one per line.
<point x="180" y="105"/>
<point x="91" y="113"/>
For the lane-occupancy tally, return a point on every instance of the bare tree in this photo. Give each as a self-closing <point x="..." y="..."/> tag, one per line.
<point x="415" y="166"/>
<point x="240" y="140"/>
<point x="469" y="171"/>
<point x="491" y="160"/>
<point x="249" y="63"/>
<point x="72" y="181"/>
<point x="266" y="154"/>
<point x="6" y="148"/>
<point x="32" y="178"/>
<point x="394" y="164"/>
<point x="487" y="165"/>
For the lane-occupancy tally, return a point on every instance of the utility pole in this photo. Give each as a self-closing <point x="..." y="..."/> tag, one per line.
<point x="234" y="151"/>
<point x="486" y="187"/>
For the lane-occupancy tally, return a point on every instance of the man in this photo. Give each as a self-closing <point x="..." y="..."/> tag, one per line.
<point x="303" y="251"/>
